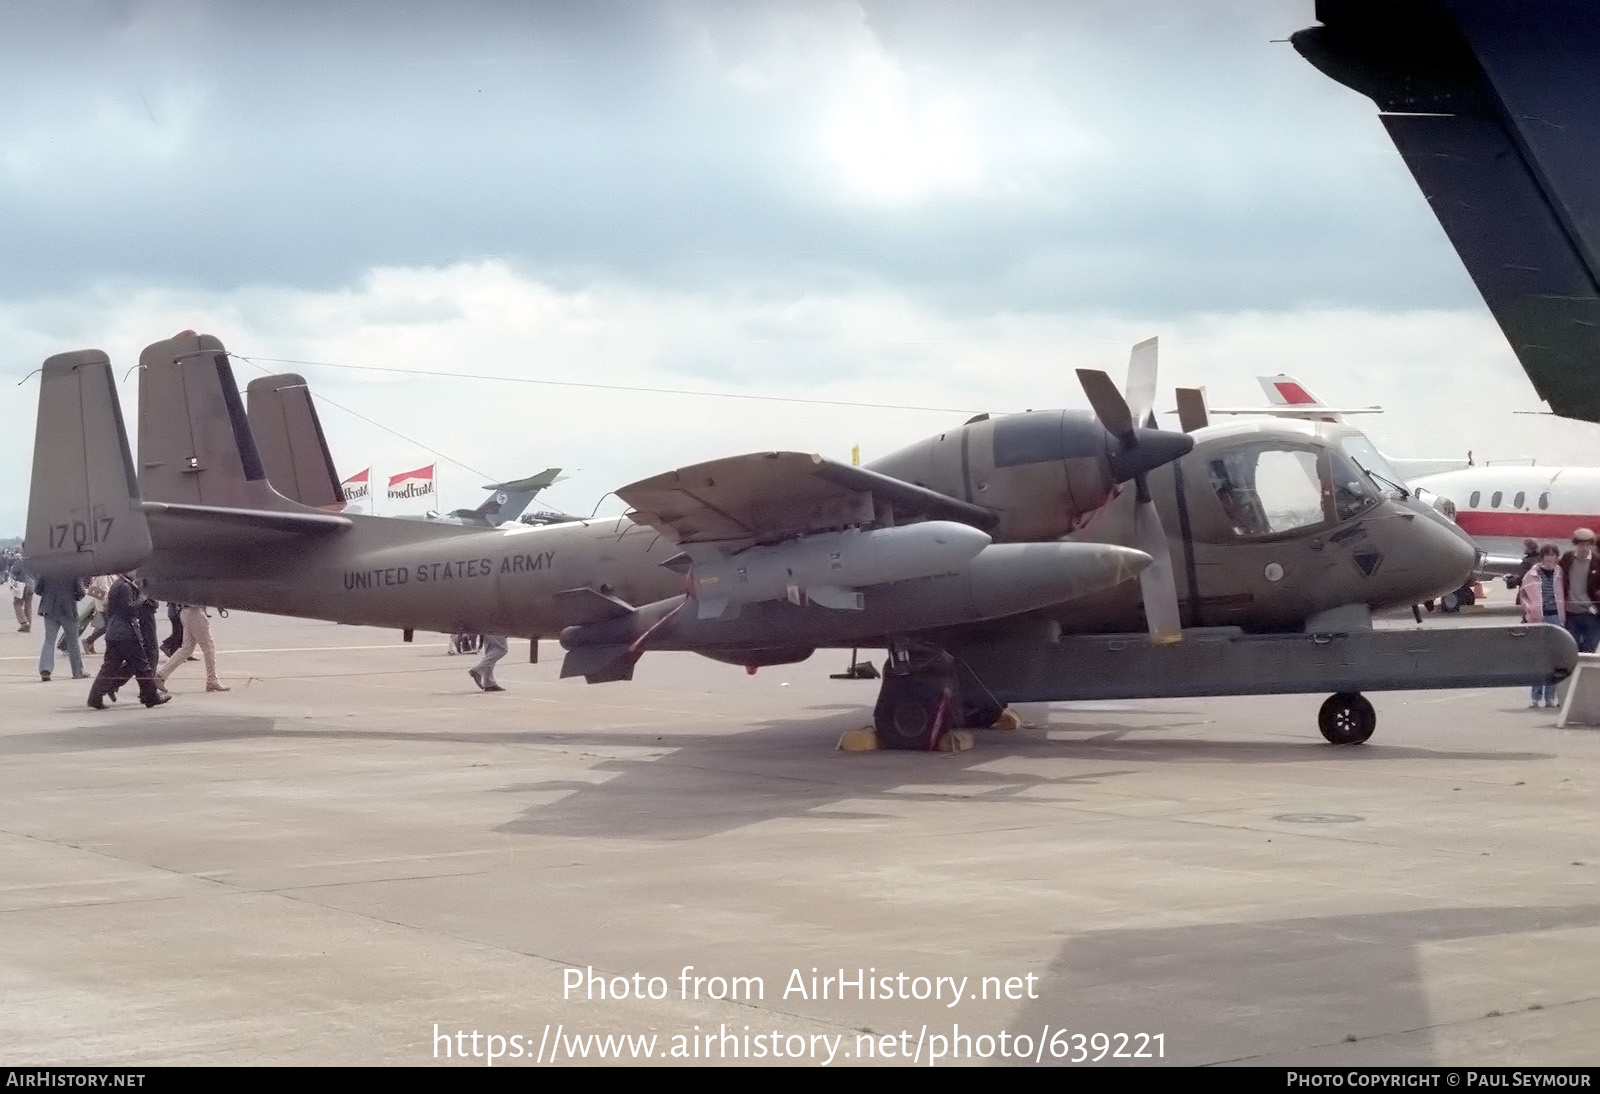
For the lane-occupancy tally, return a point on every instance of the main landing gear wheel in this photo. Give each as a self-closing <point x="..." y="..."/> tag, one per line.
<point x="912" y="712"/>
<point x="1347" y="718"/>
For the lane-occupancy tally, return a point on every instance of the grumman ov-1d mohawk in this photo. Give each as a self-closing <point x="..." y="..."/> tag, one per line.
<point x="992" y="561"/>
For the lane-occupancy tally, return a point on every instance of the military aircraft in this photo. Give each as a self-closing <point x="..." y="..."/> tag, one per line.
<point x="993" y="560"/>
<point x="506" y="501"/>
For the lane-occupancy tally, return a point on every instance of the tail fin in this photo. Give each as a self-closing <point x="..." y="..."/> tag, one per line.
<point x="1192" y="414"/>
<point x="84" y="513"/>
<point x="195" y="444"/>
<point x="1284" y="390"/>
<point x="509" y="499"/>
<point x="289" y="437"/>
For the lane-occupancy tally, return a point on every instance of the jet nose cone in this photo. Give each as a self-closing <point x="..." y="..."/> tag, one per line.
<point x="1440" y="556"/>
<point x="1152" y="448"/>
<point x="1462" y="553"/>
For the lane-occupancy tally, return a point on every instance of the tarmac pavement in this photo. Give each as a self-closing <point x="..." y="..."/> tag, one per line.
<point x="355" y="852"/>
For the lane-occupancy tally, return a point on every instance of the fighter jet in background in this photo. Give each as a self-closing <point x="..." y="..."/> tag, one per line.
<point x="294" y="454"/>
<point x="506" y="501"/>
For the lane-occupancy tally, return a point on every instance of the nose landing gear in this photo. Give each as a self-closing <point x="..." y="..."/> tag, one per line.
<point x="1347" y="718"/>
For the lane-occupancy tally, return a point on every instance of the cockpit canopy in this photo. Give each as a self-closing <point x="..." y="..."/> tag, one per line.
<point x="1276" y="486"/>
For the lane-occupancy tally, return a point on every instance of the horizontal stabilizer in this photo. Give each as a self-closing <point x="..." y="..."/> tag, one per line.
<point x="173" y="525"/>
<point x="1314" y="413"/>
<point x="83" y="504"/>
<point x="582" y="607"/>
<point x="599" y="664"/>
<point x="548" y="477"/>
<point x="288" y="523"/>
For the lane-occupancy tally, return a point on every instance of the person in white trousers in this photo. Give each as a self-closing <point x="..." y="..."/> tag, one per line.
<point x="196" y="629"/>
<point x="494" y="648"/>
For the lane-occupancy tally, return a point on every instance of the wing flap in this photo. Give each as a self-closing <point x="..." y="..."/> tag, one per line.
<point x="581" y="607"/>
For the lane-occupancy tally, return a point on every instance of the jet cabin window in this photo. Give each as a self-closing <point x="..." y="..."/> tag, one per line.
<point x="1516" y="502"/>
<point x="1544" y="500"/>
<point x="1494" y="500"/>
<point x="1267" y="491"/>
<point x="1472" y="502"/>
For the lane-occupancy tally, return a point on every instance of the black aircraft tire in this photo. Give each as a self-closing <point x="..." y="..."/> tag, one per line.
<point x="906" y="710"/>
<point x="1347" y="718"/>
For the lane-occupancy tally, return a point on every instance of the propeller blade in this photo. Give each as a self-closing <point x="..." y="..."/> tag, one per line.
<point x="1109" y="405"/>
<point x="1156" y="583"/>
<point x="1141" y="387"/>
<point x="1192" y="414"/>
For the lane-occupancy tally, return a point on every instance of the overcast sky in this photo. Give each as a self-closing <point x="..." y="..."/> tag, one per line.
<point x="934" y="204"/>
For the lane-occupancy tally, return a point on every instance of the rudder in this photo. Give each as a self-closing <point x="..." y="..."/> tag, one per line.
<point x="289" y="438"/>
<point x="84" y="514"/>
<point x="195" y="443"/>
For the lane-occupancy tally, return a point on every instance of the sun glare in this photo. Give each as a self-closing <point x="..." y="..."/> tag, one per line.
<point x="891" y="145"/>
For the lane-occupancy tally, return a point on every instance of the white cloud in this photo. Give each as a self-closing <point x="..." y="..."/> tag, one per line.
<point x="1447" y="378"/>
<point x="894" y="143"/>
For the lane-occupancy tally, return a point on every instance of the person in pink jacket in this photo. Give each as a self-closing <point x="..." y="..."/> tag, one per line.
<point x="1544" y="600"/>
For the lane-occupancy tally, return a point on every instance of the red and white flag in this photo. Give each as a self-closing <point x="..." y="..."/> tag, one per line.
<point x="411" y="484"/>
<point x="356" y="486"/>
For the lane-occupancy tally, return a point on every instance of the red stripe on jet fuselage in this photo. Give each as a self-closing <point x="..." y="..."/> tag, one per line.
<point x="1521" y="525"/>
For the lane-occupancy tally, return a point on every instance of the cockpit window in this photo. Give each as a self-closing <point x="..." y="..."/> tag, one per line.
<point x="1268" y="490"/>
<point x="1351" y="488"/>
<point x="1365" y="453"/>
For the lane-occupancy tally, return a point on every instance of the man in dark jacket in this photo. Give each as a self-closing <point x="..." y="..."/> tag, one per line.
<point x="147" y="630"/>
<point x="127" y="654"/>
<point x="1582" y="569"/>
<point x="58" y="607"/>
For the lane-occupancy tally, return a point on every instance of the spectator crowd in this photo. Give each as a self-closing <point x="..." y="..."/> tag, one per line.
<point x="75" y="615"/>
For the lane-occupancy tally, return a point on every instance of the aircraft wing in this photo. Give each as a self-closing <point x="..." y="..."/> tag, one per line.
<point x="1495" y="108"/>
<point x="763" y="497"/>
